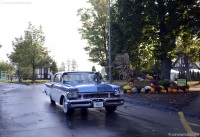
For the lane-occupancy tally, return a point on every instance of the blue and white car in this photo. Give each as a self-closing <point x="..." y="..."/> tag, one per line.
<point x="81" y="89"/>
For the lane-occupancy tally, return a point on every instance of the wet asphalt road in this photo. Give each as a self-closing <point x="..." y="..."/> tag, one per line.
<point x="25" y="111"/>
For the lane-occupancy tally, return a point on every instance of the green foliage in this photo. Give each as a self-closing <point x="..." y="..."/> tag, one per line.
<point x="127" y="36"/>
<point x="54" y="67"/>
<point x="148" y="29"/>
<point x="164" y="82"/>
<point x="8" y="67"/>
<point x="28" y="50"/>
<point x="26" y="73"/>
<point x="62" y="68"/>
<point x="94" y="30"/>
<point x="93" y="68"/>
<point x="28" y="81"/>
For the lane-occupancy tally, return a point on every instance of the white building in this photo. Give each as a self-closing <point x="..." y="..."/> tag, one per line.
<point x="44" y="73"/>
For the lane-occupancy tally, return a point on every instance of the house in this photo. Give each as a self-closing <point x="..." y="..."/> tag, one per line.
<point x="179" y="66"/>
<point x="44" y="73"/>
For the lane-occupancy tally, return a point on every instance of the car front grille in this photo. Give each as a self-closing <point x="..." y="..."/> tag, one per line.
<point x="96" y="95"/>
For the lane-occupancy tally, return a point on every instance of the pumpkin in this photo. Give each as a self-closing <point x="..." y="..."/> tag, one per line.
<point x="152" y="90"/>
<point x="149" y="77"/>
<point x="163" y="91"/>
<point x="187" y="90"/>
<point x="126" y="87"/>
<point x="174" y="90"/>
<point x="169" y="90"/>
<point x="180" y="91"/>
<point x="134" y="89"/>
<point x="128" y="91"/>
<point x="143" y="90"/>
<point x="162" y="87"/>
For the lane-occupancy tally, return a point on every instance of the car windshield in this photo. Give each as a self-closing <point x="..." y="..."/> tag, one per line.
<point x="80" y="78"/>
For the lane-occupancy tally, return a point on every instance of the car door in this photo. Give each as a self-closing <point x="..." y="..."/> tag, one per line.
<point x="54" y="87"/>
<point x="57" y="88"/>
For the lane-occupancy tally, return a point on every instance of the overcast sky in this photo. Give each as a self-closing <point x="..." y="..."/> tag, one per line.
<point x="59" y="21"/>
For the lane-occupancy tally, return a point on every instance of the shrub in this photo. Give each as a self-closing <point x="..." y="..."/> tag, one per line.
<point x="166" y="82"/>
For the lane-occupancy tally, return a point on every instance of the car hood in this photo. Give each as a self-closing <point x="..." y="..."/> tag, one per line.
<point x="82" y="88"/>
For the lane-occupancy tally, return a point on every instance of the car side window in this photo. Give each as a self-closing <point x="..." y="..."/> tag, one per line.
<point x="57" y="78"/>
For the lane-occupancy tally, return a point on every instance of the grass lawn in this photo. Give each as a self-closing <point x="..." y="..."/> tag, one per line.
<point x="123" y="82"/>
<point x="193" y="82"/>
<point x="26" y="81"/>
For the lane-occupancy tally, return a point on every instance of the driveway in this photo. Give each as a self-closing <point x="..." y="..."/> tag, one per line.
<point x="25" y="111"/>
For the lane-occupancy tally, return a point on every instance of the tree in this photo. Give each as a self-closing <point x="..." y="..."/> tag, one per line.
<point x="188" y="49"/>
<point x="8" y="67"/>
<point x="62" y="66"/>
<point x="94" y="30"/>
<point x="68" y="65"/>
<point x="28" y="50"/>
<point x="54" y="67"/>
<point x="122" y="66"/>
<point x="74" y="65"/>
<point x="150" y="27"/>
<point x="93" y="68"/>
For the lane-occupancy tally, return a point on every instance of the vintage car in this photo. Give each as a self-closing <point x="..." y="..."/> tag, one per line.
<point x="81" y="89"/>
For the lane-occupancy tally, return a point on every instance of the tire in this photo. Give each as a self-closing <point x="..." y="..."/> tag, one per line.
<point x="66" y="110"/>
<point x="52" y="101"/>
<point x="111" y="109"/>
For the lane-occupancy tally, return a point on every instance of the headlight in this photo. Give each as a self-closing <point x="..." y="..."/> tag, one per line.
<point x="119" y="91"/>
<point x="72" y="94"/>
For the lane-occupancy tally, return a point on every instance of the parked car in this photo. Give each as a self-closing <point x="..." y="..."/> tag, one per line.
<point x="81" y="89"/>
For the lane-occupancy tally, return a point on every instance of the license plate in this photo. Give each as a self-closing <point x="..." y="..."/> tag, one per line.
<point x="98" y="104"/>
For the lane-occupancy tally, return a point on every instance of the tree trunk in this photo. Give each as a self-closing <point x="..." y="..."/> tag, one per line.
<point x="19" y="75"/>
<point x="187" y="67"/>
<point x="165" y="62"/>
<point x="165" y="68"/>
<point x="33" y="73"/>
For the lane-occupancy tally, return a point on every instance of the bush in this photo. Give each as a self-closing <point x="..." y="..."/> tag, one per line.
<point x="164" y="83"/>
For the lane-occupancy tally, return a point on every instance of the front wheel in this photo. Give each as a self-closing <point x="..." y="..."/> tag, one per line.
<point x="111" y="109"/>
<point x="52" y="101"/>
<point x="66" y="109"/>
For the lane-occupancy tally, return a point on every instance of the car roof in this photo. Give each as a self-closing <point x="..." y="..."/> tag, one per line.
<point x="64" y="72"/>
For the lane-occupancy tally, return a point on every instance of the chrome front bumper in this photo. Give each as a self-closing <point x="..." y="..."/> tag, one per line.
<point x="89" y="103"/>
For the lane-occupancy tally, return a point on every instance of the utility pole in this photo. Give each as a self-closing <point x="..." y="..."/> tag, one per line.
<point x="109" y="45"/>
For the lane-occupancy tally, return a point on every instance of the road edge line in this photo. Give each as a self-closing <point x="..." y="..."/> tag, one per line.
<point x="185" y="124"/>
